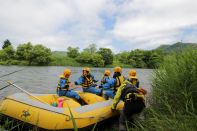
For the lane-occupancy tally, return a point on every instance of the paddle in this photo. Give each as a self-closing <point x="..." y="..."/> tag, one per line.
<point x="75" y="88"/>
<point x="7" y="85"/>
<point x="11" y="73"/>
<point x="7" y="75"/>
<point x="10" y="83"/>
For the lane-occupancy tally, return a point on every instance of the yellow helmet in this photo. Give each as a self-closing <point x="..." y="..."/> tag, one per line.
<point x="132" y="73"/>
<point x="67" y="72"/>
<point x="86" y="69"/>
<point x="107" y="72"/>
<point x="118" y="69"/>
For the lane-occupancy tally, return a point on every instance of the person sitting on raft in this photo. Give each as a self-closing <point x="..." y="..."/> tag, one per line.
<point x="107" y="84"/>
<point x="119" y="78"/>
<point x="63" y="87"/>
<point x="133" y="78"/>
<point x="87" y="81"/>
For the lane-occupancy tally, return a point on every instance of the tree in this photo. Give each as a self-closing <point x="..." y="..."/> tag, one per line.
<point x="107" y="55"/>
<point x="6" y="44"/>
<point x="2" y="55"/>
<point x="40" y="55"/>
<point x="84" y="58"/>
<point x="137" y="56"/>
<point x="123" y="57"/>
<point x="24" y="51"/>
<point x="36" y="55"/>
<point x="72" y="52"/>
<point x="7" y="53"/>
<point x="91" y="49"/>
<point x="97" y="60"/>
<point x="152" y="58"/>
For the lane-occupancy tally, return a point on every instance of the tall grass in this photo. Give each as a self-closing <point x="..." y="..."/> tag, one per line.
<point x="72" y="118"/>
<point x="174" y="94"/>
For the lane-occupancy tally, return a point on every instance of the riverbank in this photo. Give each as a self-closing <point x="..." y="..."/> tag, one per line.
<point x="38" y="55"/>
<point x="63" y="61"/>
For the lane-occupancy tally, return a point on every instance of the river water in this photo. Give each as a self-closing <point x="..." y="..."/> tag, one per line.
<point x="44" y="79"/>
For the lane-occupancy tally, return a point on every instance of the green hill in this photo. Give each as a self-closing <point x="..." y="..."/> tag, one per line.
<point x="59" y="53"/>
<point x="176" y="47"/>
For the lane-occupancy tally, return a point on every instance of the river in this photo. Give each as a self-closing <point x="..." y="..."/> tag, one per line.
<point x="44" y="79"/>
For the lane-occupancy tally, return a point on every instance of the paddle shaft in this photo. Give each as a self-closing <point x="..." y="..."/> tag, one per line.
<point x="76" y="87"/>
<point x="18" y="86"/>
<point x="26" y="92"/>
<point x="7" y="85"/>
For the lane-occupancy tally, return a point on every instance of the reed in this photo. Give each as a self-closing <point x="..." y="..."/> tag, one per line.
<point x="174" y="95"/>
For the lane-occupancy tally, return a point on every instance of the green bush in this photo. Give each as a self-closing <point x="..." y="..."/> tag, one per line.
<point x="174" y="94"/>
<point x="97" y="60"/>
<point x="107" y="55"/>
<point x="72" y="52"/>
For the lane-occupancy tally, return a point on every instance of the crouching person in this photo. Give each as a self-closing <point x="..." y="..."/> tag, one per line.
<point x="63" y="87"/>
<point x="134" y="102"/>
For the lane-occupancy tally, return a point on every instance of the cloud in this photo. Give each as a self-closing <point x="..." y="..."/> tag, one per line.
<point x="150" y="22"/>
<point x="116" y="24"/>
<point x="57" y="23"/>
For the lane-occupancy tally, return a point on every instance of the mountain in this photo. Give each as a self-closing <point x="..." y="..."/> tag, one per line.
<point x="176" y="47"/>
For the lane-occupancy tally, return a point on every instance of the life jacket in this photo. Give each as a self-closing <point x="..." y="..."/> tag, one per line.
<point x="66" y="86"/>
<point x="88" y="81"/>
<point x="134" y="80"/>
<point x="103" y="80"/>
<point x="130" y="89"/>
<point x="119" y="81"/>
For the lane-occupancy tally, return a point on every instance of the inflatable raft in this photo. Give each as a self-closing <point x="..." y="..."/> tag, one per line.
<point x="25" y="108"/>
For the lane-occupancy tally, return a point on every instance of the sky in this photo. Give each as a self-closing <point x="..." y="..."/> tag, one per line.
<point x="121" y="25"/>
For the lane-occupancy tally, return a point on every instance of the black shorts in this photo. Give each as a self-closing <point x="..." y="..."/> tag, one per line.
<point x="133" y="107"/>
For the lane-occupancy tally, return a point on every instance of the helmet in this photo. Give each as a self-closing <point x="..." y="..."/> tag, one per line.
<point x="67" y="72"/>
<point x="118" y="69"/>
<point x="107" y="72"/>
<point x="132" y="73"/>
<point x="86" y="69"/>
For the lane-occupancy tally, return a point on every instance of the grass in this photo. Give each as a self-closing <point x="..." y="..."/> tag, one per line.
<point x="174" y="95"/>
<point x="72" y="118"/>
<point x="61" y="59"/>
<point x="118" y="63"/>
<point x="7" y="124"/>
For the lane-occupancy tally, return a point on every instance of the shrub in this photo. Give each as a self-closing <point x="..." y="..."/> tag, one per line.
<point x="174" y="94"/>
